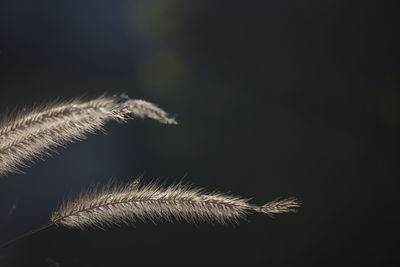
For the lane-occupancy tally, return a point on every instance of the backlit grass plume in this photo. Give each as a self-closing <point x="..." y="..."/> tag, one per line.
<point x="155" y="202"/>
<point x="33" y="134"/>
<point x="127" y="204"/>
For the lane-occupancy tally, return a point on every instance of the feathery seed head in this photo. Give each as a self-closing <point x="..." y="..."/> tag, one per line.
<point x="155" y="202"/>
<point x="36" y="133"/>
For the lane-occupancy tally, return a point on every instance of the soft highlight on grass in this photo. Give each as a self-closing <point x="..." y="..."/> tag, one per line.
<point x="154" y="202"/>
<point x="127" y="204"/>
<point x="33" y="134"/>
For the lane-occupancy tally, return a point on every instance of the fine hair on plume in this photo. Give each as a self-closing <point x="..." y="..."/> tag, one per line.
<point x="35" y="133"/>
<point x="154" y="202"/>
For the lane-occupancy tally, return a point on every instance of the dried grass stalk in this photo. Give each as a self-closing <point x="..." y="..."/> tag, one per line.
<point x="33" y="134"/>
<point x="155" y="202"/>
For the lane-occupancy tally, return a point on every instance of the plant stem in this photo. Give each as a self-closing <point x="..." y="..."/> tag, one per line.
<point x="40" y="228"/>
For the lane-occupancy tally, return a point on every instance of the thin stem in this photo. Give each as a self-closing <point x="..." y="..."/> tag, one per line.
<point x="40" y="228"/>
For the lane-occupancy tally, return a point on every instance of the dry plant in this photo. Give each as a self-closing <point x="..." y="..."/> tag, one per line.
<point x="35" y="133"/>
<point x="127" y="204"/>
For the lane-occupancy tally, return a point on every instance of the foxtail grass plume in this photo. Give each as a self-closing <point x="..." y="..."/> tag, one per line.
<point x="154" y="202"/>
<point x="35" y="133"/>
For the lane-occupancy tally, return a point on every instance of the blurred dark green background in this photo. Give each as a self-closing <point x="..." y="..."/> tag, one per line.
<point x="274" y="98"/>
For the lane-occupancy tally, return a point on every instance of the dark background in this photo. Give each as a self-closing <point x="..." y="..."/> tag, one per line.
<point x="274" y="98"/>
